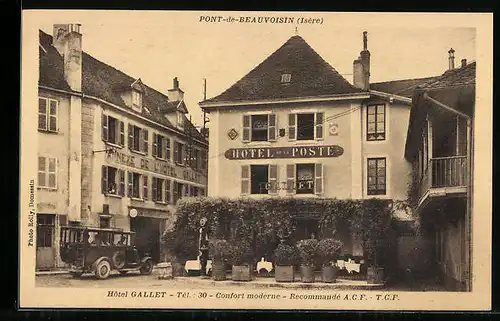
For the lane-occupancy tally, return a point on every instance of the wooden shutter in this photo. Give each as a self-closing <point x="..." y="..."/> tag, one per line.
<point x="154" y="150"/>
<point x="319" y="119"/>
<point x="271" y="127"/>
<point x="130" y="177"/>
<point x="104" y="128"/>
<point x="145" y="140"/>
<point x="318" y="178"/>
<point x="273" y="179"/>
<point x="292" y="126"/>
<point x="130" y="136"/>
<point x="183" y="154"/>
<point x="290" y="178"/>
<point x="167" y="148"/>
<point x="246" y="129"/>
<point x="145" y="190"/>
<point x="122" y="182"/>
<point x="122" y="133"/>
<point x="176" y="152"/>
<point x="104" y="180"/>
<point x="175" y="194"/>
<point x="168" y="191"/>
<point x="154" y="189"/>
<point x="245" y="179"/>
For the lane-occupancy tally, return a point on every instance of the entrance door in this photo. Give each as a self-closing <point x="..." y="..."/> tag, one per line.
<point x="45" y="250"/>
<point x="306" y="229"/>
<point x="147" y="237"/>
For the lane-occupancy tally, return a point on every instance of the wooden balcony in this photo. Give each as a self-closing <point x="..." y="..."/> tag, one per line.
<point x="444" y="176"/>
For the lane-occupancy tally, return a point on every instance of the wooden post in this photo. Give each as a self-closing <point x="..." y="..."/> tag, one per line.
<point x="468" y="210"/>
<point x="429" y="146"/>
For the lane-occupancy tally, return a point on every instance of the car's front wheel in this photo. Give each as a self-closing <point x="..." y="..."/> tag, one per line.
<point x="147" y="267"/>
<point x="103" y="269"/>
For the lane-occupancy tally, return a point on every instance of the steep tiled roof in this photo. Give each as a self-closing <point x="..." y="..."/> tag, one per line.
<point x="310" y="74"/>
<point x="103" y="81"/>
<point x="464" y="76"/>
<point x="404" y="87"/>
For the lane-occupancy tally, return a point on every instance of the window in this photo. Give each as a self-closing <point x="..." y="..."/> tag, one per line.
<point x="145" y="190"/>
<point x="179" y="152"/>
<point x="113" y="181"/>
<point x="168" y="191"/>
<point x="136" y="98"/>
<point x="194" y="191"/>
<point x="161" y="146"/>
<point x="258" y="179"/>
<point x="134" y="183"/>
<point x="138" y="139"/>
<point x="375" y="122"/>
<point x="180" y="119"/>
<point x="113" y="130"/>
<point x="258" y="128"/>
<point x="286" y="78"/>
<point x="195" y="163"/>
<point x="305" y="178"/>
<point x="157" y="189"/>
<point x="104" y="222"/>
<point x="47" y="114"/>
<point x="47" y="173"/>
<point x="376" y="176"/>
<point x="308" y="126"/>
<point x="178" y="191"/>
<point x="45" y="230"/>
<point x="203" y="159"/>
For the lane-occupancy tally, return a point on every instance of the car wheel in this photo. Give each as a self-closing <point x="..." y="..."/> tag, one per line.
<point x="103" y="269"/>
<point x="147" y="267"/>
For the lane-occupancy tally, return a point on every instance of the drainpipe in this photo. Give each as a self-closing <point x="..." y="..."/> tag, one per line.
<point x="468" y="220"/>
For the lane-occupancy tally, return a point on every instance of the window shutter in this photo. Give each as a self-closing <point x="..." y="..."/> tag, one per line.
<point x="273" y="179"/>
<point x="122" y="133"/>
<point x="292" y="127"/>
<point x="122" y="182"/>
<point x="130" y="137"/>
<point x="318" y="179"/>
<point x="155" y="145"/>
<point x="129" y="191"/>
<point x="176" y="152"/>
<point x="168" y="191"/>
<point x="145" y="191"/>
<point x="175" y="194"/>
<point x="245" y="179"/>
<point x="319" y="125"/>
<point x="246" y="129"/>
<point x="104" y="128"/>
<point x="104" y="180"/>
<point x="167" y="148"/>
<point x="154" y="188"/>
<point x="290" y="178"/>
<point x="145" y="135"/>
<point x="183" y="154"/>
<point x="271" y="127"/>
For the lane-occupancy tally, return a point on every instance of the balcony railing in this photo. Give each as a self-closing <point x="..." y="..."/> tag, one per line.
<point x="443" y="172"/>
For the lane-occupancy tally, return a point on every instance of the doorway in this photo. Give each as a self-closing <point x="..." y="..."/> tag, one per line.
<point x="147" y="237"/>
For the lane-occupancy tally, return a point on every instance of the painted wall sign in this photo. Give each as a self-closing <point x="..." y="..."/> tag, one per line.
<point x="284" y="152"/>
<point x="154" y="165"/>
<point x="232" y="134"/>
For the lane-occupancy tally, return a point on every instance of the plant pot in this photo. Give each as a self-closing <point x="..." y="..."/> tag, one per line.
<point x="307" y="273"/>
<point x="241" y="273"/>
<point x="284" y="273"/>
<point x="375" y="275"/>
<point x="218" y="271"/>
<point x="329" y="274"/>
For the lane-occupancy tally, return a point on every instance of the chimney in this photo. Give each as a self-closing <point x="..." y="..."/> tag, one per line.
<point x="451" y="59"/>
<point x="175" y="94"/>
<point x="361" y="67"/>
<point x="464" y="62"/>
<point x="67" y="40"/>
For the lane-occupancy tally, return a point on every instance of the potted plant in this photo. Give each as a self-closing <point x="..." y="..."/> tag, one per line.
<point x="241" y="259"/>
<point x="286" y="257"/>
<point x="328" y="252"/>
<point x="220" y="250"/>
<point x="308" y="253"/>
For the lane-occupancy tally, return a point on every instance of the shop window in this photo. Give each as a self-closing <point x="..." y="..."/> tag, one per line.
<point x="376" y="176"/>
<point x="305" y="178"/>
<point x="47" y="172"/>
<point x="138" y="139"/>
<point x="113" y="130"/>
<point x="45" y="230"/>
<point x="307" y="126"/>
<point x="258" y="128"/>
<point x="134" y="185"/>
<point x="113" y="181"/>
<point x="259" y="177"/>
<point x="47" y="114"/>
<point x="157" y="189"/>
<point x="375" y="122"/>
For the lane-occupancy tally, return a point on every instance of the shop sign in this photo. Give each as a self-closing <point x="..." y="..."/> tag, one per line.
<point x="154" y="165"/>
<point x="284" y="152"/>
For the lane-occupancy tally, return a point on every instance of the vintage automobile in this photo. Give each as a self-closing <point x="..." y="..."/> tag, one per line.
<point x="99" y="251"/>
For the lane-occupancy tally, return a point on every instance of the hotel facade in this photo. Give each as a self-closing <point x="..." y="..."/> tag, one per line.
<point x="112" y="152"/>
<point x="294" y="127"/>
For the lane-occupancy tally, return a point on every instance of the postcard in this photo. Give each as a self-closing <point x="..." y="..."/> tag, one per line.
<point x="256" y="160"/>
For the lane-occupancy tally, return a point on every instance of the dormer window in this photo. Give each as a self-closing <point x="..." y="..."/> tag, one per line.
<point x="180" y="120"/>
<point x="136" y="100"/>
<point x="286" y="78"/>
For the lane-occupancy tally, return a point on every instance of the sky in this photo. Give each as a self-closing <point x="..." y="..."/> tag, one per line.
<point x="158" y="46"/>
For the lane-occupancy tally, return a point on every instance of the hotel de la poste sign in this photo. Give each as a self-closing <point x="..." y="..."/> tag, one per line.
<point x="284" y="152"/>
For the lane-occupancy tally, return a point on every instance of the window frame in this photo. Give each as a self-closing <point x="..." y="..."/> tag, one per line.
<point x="158" y="190"/>
<point x="46" y="172"/>
<point x="48" y="115"/>
<point x="136" y="99"/>
<point x="377" y="191"/>
<point x="251" y="191"/>
<point x="376" y="133"/>
<point x="313" y="170"/>
<point x="119" y="181"/>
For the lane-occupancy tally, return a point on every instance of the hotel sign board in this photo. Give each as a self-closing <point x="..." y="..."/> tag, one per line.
<point x="284" y="152"/>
